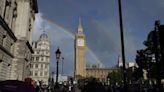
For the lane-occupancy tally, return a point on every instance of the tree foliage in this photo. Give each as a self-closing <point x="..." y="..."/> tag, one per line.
<point x="152" y="57"/>
<point x="115" y="76"/>
<point x="145" y="57"/>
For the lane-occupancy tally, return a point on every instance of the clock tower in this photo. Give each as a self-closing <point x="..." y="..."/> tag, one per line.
<point x="80" y="45"/>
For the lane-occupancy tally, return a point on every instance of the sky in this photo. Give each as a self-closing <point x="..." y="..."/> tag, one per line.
<point x="100" y="20"/>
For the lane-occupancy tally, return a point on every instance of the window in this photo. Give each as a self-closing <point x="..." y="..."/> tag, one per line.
<point x="37" y="58"/>
<point x="37" y="52"/>
<point x="41" y="58"/>
<point x="7" y="9"/>
<point x="36" y="74"/>
<point x="14" y="17"/>
<point x="36" y="65"/>
<point x="41" y="66"/>
<point x="4" y="39"/>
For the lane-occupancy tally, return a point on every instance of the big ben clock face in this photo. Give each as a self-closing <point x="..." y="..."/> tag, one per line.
<point x="80" y="42"/>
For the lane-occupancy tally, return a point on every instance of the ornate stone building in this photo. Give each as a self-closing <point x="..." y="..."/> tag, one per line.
<point x="98" y="72"/>
<point x="26" y="10"/>
<point x="80" y="47"/>
<point x="81" y="70"/>
<point x="40" y="59"/>
<point x="8" y="14"/>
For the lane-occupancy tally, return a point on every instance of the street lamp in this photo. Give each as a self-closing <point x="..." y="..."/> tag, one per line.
<point x="122" y="46"/>
<point x="58" y="53"/>
<point x="62" y="67"/>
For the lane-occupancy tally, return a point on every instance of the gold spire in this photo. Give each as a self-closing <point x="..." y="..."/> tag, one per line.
<point x="80" y="28"/>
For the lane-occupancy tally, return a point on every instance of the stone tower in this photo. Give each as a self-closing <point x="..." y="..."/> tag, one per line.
<point x="80" y="45"/>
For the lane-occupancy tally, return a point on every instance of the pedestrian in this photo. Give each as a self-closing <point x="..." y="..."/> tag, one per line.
<point x="70" y="88"/>
<point x="109" y="89"/>
<point x="37" y="89"/>
<point x="94" y="86"/>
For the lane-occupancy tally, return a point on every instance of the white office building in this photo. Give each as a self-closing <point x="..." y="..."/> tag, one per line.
<point x="40" y="59"/>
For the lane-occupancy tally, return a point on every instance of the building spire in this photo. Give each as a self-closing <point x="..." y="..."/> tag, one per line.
<point x="80" y="28"/>
<point x="44" y="27"/>
<point x="44" y="31"/>
<point x="120" y="63"/>
<point x="79" y="22"/>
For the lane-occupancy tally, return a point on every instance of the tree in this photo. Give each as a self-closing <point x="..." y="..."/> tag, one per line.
<point x="161" y="41"/>
<point x="137" y="74"/>
<point x="115" y="76"/>
<point x="145" y="58"/>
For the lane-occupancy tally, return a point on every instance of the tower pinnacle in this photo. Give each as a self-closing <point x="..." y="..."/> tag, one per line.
<point x="80" y="28"/>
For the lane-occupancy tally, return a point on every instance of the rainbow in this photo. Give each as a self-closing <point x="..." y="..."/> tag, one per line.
<point x="72" y="36"/>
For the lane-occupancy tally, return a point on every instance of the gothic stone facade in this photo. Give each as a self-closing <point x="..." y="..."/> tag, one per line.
<point x="80" y="47"/>
<point x="99" y="73"/>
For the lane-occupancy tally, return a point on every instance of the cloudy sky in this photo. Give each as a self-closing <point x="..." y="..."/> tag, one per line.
<point x="100" y="20"/>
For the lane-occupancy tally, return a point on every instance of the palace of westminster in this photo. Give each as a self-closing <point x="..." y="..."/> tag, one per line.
<point x="21" y="58"/>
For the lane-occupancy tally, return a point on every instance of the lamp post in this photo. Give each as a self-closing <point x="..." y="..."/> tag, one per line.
<point x="58" y="53"/>
<point x="62" y="67"/>
<point x="122" y="46"/>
